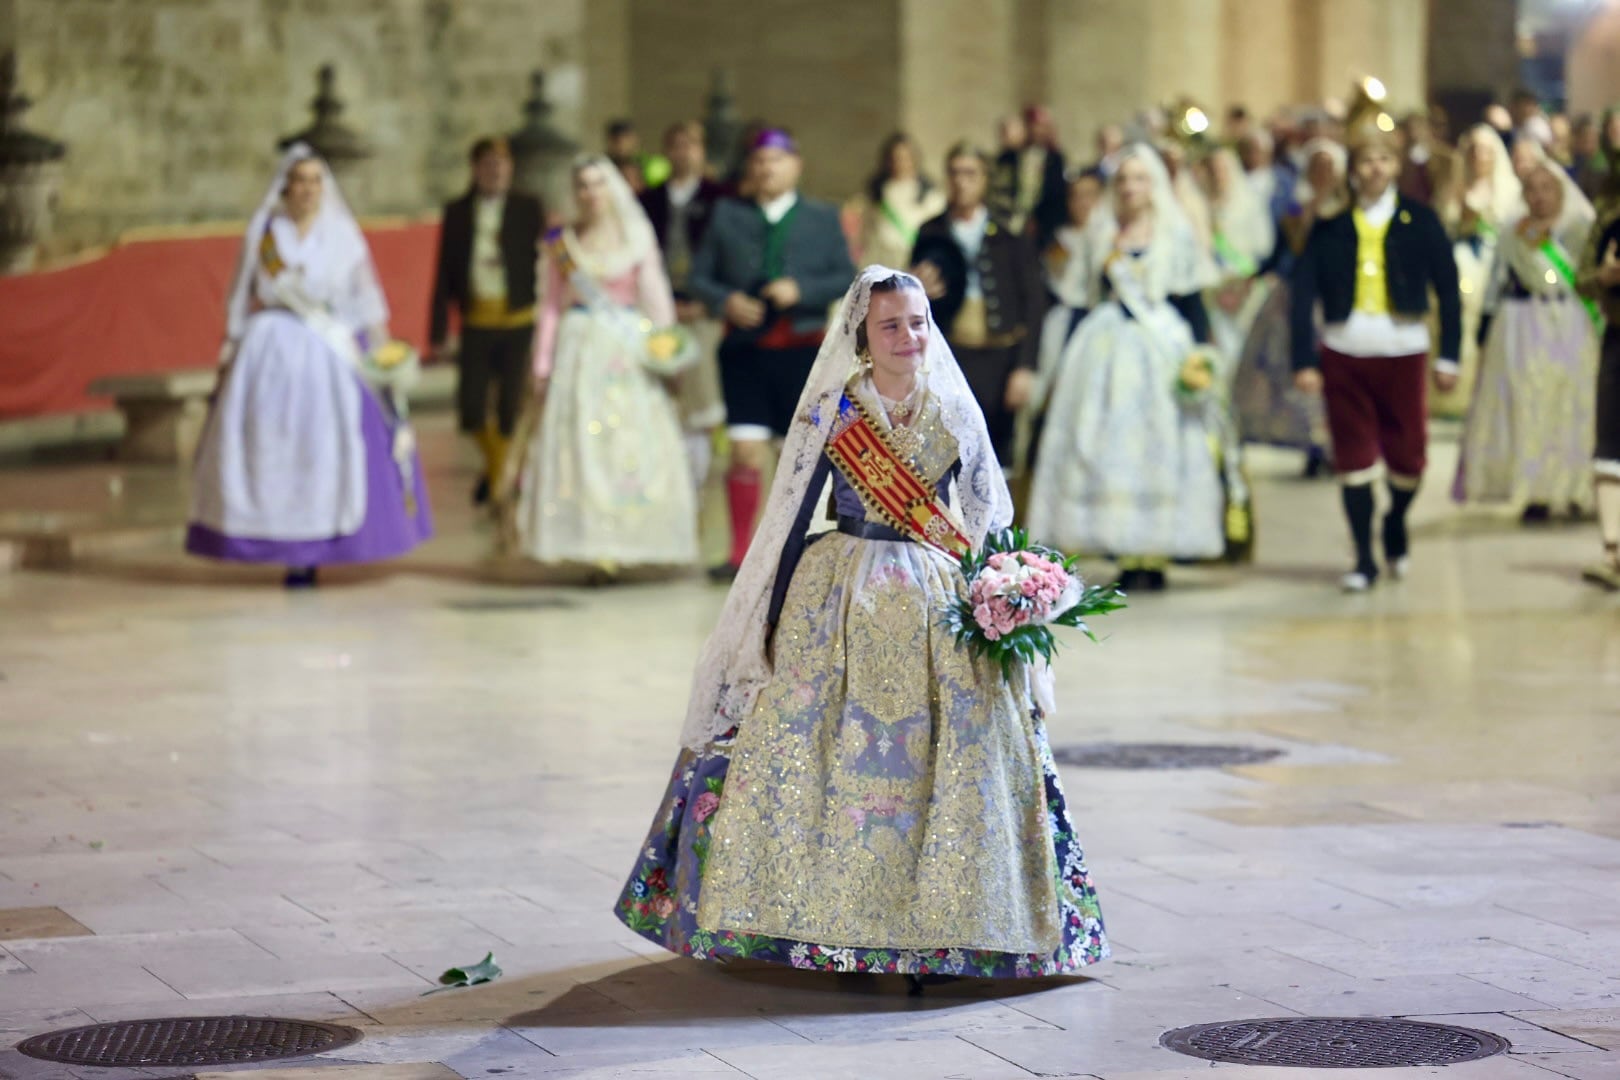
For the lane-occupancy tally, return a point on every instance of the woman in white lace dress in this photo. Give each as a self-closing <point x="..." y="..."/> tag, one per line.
<point x="605" y="481"/>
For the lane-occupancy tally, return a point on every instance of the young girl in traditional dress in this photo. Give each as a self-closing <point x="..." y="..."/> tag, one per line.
<point x="856" y="792"/>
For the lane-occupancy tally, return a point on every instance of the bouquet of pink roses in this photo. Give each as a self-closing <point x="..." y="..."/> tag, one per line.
<point x="1018" y="591"/>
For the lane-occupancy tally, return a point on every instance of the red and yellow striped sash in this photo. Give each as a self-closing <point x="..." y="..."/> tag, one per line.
<point x="888" y="485"/>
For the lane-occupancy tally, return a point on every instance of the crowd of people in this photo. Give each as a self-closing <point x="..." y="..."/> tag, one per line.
<point x="1328" y="280"/>
<point x="855" y="790"/>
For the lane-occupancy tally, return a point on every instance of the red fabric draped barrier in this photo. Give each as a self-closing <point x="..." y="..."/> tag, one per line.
<point x="158" y="305"/>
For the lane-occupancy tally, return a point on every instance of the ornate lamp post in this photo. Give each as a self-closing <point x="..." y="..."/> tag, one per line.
<point x="339" y="145"/>
<point x="541" y="154"/>
<point x="721" y="128"/>
<point x="30" y="172"/>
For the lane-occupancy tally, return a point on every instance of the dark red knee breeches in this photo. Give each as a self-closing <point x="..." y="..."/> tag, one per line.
<point x="1377" y="409"/>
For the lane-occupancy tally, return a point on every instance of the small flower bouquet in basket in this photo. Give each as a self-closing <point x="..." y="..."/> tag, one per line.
<point x="670" y="350"/>
<point x="1018" y="591"/>
<point x="1196" y="378"/>
<point x="393" y="365"/>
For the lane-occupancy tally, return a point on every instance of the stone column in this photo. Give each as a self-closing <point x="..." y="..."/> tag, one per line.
<point x="829" y="70"/>
<point x="1592" y="72"/>
<point x="1473" y="55"/>
<point x="958" y="73"/>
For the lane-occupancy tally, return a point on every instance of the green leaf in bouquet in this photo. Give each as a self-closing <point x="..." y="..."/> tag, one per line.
<point x="486" y="970"/>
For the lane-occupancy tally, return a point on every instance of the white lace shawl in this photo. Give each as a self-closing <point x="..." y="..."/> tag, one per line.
<point x="734" y="665"/>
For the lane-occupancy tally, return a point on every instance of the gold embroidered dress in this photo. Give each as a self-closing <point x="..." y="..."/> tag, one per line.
<point x="889" y="804"/>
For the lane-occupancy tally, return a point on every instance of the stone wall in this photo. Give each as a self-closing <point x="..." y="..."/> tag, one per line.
<point x="827" y="69"/>
<point x="172" y="108"/>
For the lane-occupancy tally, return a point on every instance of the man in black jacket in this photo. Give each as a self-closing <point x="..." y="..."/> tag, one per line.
<point x="1372" y="268"/>
<point x="984" y="283"/>
<point x="771" y="266"/>
<point x="488" y="248"/>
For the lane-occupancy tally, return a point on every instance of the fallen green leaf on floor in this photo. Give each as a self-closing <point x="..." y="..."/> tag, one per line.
<point x="486" y="970"/>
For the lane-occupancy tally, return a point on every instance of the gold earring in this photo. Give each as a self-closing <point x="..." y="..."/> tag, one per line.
<point x="865" y="358"/>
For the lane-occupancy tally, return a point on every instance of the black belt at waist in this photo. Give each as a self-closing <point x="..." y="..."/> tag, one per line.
<point x="870" y="530"/>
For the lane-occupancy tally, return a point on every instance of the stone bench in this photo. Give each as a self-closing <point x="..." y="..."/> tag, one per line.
<point x="163" y="412"/>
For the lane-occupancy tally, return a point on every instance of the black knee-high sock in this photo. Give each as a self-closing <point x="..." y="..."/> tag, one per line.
<point x="1358" y="510"/>
<point x="1395" y="542"/>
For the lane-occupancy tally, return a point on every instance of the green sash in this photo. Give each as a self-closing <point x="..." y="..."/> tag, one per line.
<point x="1554" y="253"/>
<point x="894" y="219"/>
<point x="1233" y="259"/>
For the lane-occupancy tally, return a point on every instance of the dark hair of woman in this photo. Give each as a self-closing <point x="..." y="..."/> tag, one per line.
<point x="883" y="285"/>
<point x="885" y="163"/>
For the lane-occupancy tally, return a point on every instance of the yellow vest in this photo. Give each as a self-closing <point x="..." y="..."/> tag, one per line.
<point x="1372" y="287"/>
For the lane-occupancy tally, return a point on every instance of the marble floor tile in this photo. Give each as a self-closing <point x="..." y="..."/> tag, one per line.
<point x="40" y="922"/>
<point x="1397" y="995"/>
<point x="311" y="805"/>
<point x="887" y="1060"/>
<point x="421" y="1070"/>
<point x="200" y="978"/>
<point x="1598" y="1027"/>
<point x="1578" y="1066"/>
<point x="1522" y="1030"/>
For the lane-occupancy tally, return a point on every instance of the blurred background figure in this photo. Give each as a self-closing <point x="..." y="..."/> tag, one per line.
<point x="489" y="243"/>
<point x="680" y="210"/>
<point x="899" y="197"/>
<point x="604" y="482"/>
<point x="1528" y="440"/>
<point x="983" y="280"/>
<point x="303" y="464"/>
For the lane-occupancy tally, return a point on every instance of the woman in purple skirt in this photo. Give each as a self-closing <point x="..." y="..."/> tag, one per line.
<point x="307" y="459"/>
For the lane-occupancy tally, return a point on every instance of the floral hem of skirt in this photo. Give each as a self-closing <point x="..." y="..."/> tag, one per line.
<point x="660" y="900"/>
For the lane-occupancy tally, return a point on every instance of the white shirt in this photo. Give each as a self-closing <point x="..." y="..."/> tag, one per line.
<point x="969" y="236"/>
<point x="777" y="208"/>
<point x="488" y="272"/>
<point x="682" y="191"/>
<point x="1366" y="334"/>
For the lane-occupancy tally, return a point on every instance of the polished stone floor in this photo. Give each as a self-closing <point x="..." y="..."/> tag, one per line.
<point x="219" y="798"/>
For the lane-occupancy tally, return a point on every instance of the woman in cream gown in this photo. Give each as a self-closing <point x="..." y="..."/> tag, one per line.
<point x="605" y="480"/>
<point x="1528" y="441"/>
<point x="1486" y="197"/>
<point x="1127" y="467"/>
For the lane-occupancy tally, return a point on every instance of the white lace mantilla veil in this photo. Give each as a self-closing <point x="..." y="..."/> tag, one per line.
<point x="1577" y="212"/>
<point x="639" y="236"/>
<point x="733" y="667"/>
<point x="1241" y="215"/>
<point x="1507" y="198"/>
<point x="1176" y="263"/>
<point x="368" y="305"/>
<point x="1304" y="190"/>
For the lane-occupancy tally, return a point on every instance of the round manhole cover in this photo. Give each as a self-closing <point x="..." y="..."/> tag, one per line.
<point x="1160" y="755"/>
<point x="189" y="1040"/>
<point x="1333" y="1042"/>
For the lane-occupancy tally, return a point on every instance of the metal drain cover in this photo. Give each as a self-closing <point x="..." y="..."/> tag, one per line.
<point x="1160" y="755"/>
<point x="189" y="1040"/>
<point x="1333" y="1042"/>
